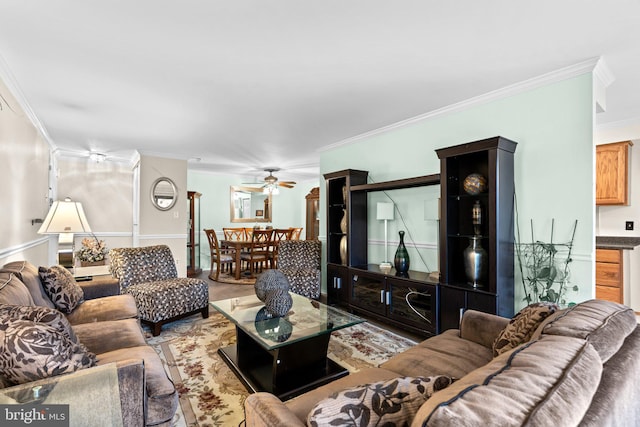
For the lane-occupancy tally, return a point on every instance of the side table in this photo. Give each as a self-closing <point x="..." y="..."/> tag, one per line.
<point x="96" y="281"/>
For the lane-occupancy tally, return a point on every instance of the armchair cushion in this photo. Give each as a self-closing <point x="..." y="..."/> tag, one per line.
<point x="142" y="264"/>
<point x="389" y="403"/>
<point x="61" y="287"/>
<point x="299" y="261"/>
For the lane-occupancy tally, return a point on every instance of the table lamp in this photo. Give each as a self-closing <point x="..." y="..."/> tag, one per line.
<point x="385" y="212"/>
<point x="65" y="218"/>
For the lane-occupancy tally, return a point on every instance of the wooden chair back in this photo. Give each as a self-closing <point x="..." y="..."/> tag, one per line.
<point x="295" y="233"/>
<point x="218" y="256"/>
<point x="234" y="233"/>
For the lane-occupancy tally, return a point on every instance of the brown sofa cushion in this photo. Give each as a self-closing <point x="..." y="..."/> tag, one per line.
<point x="110" y="335"/>
<point x="13" y="291"/>
<point x="522" y="326"/>
<point x="31" y="351"/>
<point x="388" y="403"/>
<point x="28" y="274"/>
<point x="604" y="324"/>
<point x="61" y="287"/>
<point x="444" y="354"/>
<point x="116" y="307"/>
<point x="528" y="385"/>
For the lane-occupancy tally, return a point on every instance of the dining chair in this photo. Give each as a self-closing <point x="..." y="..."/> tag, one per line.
<point x="279" y="234"/>
<point x="234" y="233"/>
<point x="258" y="253"/>
<point x="295" y="233"/>
<point x="218" y="256"/>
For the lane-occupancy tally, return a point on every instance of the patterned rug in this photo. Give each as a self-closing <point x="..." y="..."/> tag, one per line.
<point x="211" y="395"/>
<point x="245" y="279"/>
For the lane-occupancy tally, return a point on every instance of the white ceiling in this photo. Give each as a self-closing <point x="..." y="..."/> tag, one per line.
<point x="237" y="86"/>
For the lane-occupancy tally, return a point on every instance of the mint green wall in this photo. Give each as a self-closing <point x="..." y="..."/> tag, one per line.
<point x="554" y="162"/>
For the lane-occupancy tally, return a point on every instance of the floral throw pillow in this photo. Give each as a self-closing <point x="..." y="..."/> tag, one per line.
<point x="522" y="326"/>
<point x="61" y="288"/>
<point x="31" y="351"/>
<point x="46" y="315"/>
<point x="386" y="403"/>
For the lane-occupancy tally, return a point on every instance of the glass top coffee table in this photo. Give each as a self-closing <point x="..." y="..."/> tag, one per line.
<point x="286" y="356"/>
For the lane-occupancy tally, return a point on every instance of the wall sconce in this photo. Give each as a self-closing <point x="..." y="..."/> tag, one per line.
<point x="385" y="212"/>
<point x="65" y="218"/>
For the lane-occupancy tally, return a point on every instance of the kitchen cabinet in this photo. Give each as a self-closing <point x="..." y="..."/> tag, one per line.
<point x="609" y="275"/>
<point x="612" y="169"/>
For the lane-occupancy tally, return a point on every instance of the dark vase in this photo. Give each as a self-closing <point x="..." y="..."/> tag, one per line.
<point x="401" y="260"/>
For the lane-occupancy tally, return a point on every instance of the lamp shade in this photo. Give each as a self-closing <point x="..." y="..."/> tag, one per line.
<point x="65" y="217"/>
<point x="385" y="210"/>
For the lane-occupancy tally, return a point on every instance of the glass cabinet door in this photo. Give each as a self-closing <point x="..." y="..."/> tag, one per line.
<point x="413" y="304"/>
<point x="368" y="291"/>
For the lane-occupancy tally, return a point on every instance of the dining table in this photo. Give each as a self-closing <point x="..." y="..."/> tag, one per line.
<point x="237" y="246"/>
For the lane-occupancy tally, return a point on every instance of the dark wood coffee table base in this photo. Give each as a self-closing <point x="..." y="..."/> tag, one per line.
<point x="287" y="371"/>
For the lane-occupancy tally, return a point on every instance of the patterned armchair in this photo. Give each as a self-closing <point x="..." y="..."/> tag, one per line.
<point x="149" y="274"/>
<point x="299" y="261"/>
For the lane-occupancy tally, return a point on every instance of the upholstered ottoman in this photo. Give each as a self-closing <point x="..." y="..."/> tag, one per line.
<point x="149" y="274"/>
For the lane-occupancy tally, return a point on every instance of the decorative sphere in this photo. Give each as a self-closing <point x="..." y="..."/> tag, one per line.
<point x="276" y="329"/>
<point x="475" y="184"/>
<point x="269" y="281"/>
<point x="278" y="302"/>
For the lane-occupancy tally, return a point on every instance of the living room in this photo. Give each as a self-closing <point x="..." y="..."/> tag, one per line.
<point x="551" y="116"/>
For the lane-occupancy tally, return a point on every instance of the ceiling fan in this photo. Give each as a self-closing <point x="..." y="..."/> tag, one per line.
<point x="271" y="182"/>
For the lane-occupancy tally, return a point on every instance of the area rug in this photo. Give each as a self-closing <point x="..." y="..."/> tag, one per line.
<point x="211" y="395"/>
<point x="230" y="278"/>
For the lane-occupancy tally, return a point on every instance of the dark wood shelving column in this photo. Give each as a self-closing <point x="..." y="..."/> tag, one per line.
<point x="494" y="159"/>
<point x="342" y="203"/>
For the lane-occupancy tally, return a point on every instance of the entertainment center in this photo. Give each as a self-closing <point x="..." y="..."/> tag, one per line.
<point x="470" y="212"/>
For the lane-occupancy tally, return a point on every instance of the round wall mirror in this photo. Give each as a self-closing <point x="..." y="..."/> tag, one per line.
<point x="164" y="193"/>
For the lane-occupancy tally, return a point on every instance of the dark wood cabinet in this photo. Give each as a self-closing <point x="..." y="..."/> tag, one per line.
<point x="416" y="302"/>
<point x="454" y="301"/>
<point x="346" y="224"/>
<point x="493" y="159"/>
<point x="337" y="284"/>
<point x="193" y="234"/>
<point x="313" y="214"/>
<point x="407" y="302"/>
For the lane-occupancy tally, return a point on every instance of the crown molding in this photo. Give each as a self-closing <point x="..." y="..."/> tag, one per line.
<point x="14" y="88"/>
<point x="505" y="92"/>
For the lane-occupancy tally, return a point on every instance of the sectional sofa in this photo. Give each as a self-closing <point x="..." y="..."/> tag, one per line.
<point x="99" y="327"/>
<point x="545" y="367"/>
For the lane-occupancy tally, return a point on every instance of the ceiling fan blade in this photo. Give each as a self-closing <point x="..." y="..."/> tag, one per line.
<point x="286" y="184"/>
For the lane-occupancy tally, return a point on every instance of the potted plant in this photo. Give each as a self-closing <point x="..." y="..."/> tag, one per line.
<point x="93" y="252"/>
<point x="545" y="268"/>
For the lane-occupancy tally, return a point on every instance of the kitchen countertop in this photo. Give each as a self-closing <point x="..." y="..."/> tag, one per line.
<point x="617" y="242"/>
